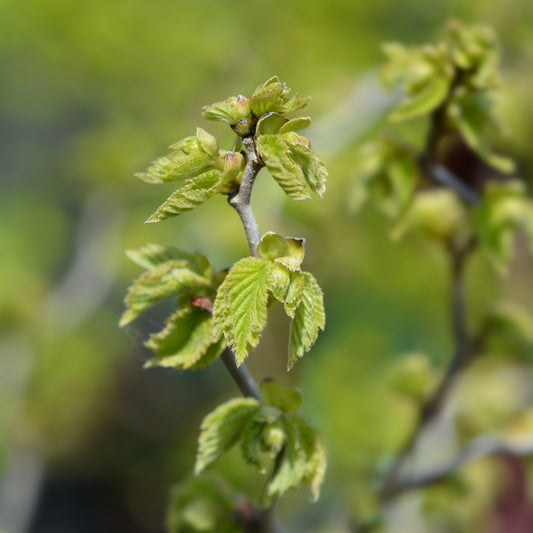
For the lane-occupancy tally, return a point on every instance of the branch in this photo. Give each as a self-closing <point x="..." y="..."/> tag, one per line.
<point x="240" y="375"/>
<point x="240" y="200"/>
<point x="466" y="348"/>
<point x="478" y="448"/>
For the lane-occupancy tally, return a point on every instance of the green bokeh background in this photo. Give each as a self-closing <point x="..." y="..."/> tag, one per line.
<point x="90" y="93"/>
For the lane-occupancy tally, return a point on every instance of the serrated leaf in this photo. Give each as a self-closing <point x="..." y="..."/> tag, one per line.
<point x="184" y="341"/>
<point x="304" y="460"/>
<point x="240" y="309"/>
<point x="295" y="293"/>
<point x="309" y="318"/>
<point x="152" y="255"/>
<point x="222" y="429"/>
<point x="194" y="193"/>
<point x="297" y="169"/>
<point x="274" y="96"/>
<point x="166" y="279"/>
<point x="249" y="445"/>
<point x="207" y="141"/>
<point x="315" y="454"/>
<point x="188" y="160"/>
<point x="284" y="398"/>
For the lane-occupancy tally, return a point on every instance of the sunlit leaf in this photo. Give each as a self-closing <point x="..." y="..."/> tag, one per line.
<point x="194" y="193"/>
<point x="309" y="318"/>
<point x="297" y="169"/>
<point x="275" y="96"/>
<point x="240" y="309"/>
<point x="230" y="110"/>
<point x="286" y="399"/>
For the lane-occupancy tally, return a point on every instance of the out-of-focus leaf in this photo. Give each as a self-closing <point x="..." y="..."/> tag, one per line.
<point x="472" y="116"/>
<point x="222" y="429"/>
<point x="185" y="341"/>
<point x="504" y="210"/>
<point x="167" y="279"/>
<point x="512" y="319"/>
<point x="437" y="213"/>
<point x="286" y="399"/>
<point x="412" y="376"/>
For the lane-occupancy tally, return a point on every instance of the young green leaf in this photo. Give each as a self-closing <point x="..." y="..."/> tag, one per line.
<point x="240" y="309"/>
<point x="194" y="193"/>
<point x="278" y="281"/>
<point x="275" y="96"/>
<point x="191" y="156"/>
<point x="250" y="441"/>
<point x="167" y="279"/>
<point x="297" y="169"/>
<point x="184" y="341"/>
<point x="309" y="318"/>
<point x="295" y="293"/>
<point x="231" y="110"/>
<point x="285" y="399"/>
<point x="222" y="429"/>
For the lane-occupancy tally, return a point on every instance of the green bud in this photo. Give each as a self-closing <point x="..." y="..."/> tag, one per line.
<point x="273" y="437"/>
<point x="234" y="164"/>
<point x="275" y="96"/>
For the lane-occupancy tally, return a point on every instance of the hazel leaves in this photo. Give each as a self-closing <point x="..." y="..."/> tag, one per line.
<point x="186" y="341"/>
<point x="458" y="77"/>
<point x="262" y="428"/>
<point x="240" y="309"/>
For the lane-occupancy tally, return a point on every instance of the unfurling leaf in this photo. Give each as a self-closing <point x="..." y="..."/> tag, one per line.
<point x="186" y="341"/>
<point x="222" y="429"/>
<point x="194" y="193"/>
<point x="504" y="210"/>
<point x="275" y="96"/>
<point x="287" y="251"/>
<point x="284" y="398"/>
<point x="240" y="309"/>
<point x="297" y="169"/>
<point x="231" y="110"/>
<point x="191" y="156"/>
<point x="309" y="318"/>
<point x="167" y="279"/>
<point x="304" y="460"/>
<point x="427" y="75"/>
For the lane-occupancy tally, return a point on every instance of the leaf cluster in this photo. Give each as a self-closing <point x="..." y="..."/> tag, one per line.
<point x="187" y="340"/>
<point x="240" y="310"/>
<point x="207" y="171"/>
<point x="264" y="429"/>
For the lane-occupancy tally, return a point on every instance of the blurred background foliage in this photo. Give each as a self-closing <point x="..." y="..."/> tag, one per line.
<point x="91" y="92"/>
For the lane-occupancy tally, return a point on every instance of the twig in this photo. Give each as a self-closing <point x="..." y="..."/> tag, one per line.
<point x="240" y="199"/>
<point x="240" y="375"/>
<point x="484" y="446"/>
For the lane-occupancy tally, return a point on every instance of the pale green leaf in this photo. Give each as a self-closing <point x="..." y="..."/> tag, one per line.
<point x="309" y="318"/>
<point x="275" y="96"/>
<point x="269" y="123"/>
<point x="295" y="293"/>
<point x="194" y="193"/>
<point x="296" y="124"/>
<point x="152" y="255"/>
<point x="240" y="309"/>
<point x="184" y="341"/>
<point x="222" y="429"/>
<point x="513" y="319"/>
<point x="278" y="281"/>
<point x="166" y="279"/>
<point x="230" y="110"/>
<point x="207" y="141"/>
<point x="284" y="398"/>
<point x="297" y="169"/>
<point x="250" y="441"/>
<point x="271" y="246"/>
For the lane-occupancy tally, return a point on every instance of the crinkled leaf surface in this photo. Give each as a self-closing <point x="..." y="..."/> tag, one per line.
<point x="309" y="318"/>
<point x="185" y="341"/>
<point x="297" y="169"/>
<point x="222" y="429"/>
<point x="240" y="309"/>
<point x="167" y="279"/>
<point x="194" y="193"/>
